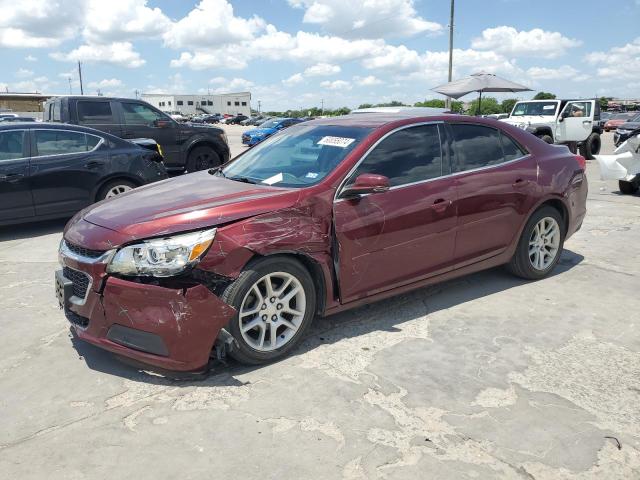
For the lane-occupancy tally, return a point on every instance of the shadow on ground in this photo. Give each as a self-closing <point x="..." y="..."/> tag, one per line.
<point x="32" y="230"/>
<point x="424" y="300"/>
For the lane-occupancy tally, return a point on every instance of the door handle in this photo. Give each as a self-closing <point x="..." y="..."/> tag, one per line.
<point x="586" y="122"/>
<point x="11" y="177"/>
<point x="440" y="205"/>
<point x="519" y="183"/>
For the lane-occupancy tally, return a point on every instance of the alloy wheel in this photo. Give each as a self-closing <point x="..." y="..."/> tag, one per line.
<point x="544" y="243"/>
<point x="117" y="190"/>
<point x="272" y="311"/>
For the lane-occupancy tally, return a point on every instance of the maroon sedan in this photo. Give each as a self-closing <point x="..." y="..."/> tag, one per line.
<point x="322" y="217"/>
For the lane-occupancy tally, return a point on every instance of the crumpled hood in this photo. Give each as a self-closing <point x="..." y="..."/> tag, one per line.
<point x="260" y="131"/>
<point x="188" y="202"/>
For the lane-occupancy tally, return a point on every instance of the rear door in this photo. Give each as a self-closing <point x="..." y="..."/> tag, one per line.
<point x="143" y="121"/>
<point x="65" y="168"/>
<point x="99" y="114"/>
<point x="496" y="181"/>
<point x="575" y="123"/>
<point x="407" y="233"/>
<point x="16" y="202"/>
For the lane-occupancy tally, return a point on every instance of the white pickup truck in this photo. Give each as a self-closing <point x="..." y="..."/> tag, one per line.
<point x="575" y="123"/>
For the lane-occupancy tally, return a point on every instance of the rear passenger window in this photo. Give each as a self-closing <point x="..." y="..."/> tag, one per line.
<point x="11" y="144"/>
<point x="94" y="112"/>
<point x="407" y="156"/>
<point x="58" y="142"/>
<point x="510" y="148"/>
<point x="477" y="146"/>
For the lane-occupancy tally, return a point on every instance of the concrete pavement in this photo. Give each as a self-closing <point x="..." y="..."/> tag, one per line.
<point x="482" y="377"/>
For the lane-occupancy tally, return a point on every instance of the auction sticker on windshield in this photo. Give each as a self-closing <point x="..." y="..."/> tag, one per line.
<point x="275" y="179"/>
<point x="548" y="107"/>
<point x="341" y="142"/>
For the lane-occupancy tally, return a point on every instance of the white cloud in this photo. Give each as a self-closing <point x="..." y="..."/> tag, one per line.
<point x="366" y="18"/>
<point x="222" y="58"/>
<point x="322" y="70"/>
<point x="619" y="62"/>
<point x="117" y="53"/>
<point x="565" y="72"/>
<point x="24" y="73"/>
<point x="534" y="43"/>
<point x="293" y="80"/>
<point x="218" y="80"/>
<point x="176" y="84"/>
<point x="109" y="21"/>
<point x="30" y="58"/>
<point x="235" y="85"/>
<point x="336" y="85"/>
<point x="106" y="83"/>
<point x="367" y="81"/>
<point x="212" y="22"/>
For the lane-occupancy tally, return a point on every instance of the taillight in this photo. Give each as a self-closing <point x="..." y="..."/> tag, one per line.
<point x="581" y="161"/>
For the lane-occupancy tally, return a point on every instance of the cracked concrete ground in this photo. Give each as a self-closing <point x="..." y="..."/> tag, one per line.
<point x="482" y="377"/>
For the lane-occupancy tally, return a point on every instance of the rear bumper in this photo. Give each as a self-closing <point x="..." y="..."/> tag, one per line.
<point x="171" y="329"/>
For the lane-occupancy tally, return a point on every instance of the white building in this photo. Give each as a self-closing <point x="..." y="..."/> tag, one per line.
<point x="232" y="103"/>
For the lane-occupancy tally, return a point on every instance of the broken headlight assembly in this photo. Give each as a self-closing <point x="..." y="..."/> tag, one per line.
<point x="162" y="257"/>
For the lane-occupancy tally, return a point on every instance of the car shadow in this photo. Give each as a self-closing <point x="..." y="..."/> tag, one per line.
<point x="338" y="327"/>
<point x="30" y="230"/>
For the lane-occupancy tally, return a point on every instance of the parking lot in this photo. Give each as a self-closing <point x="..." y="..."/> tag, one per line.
<point x="486" y="376"/>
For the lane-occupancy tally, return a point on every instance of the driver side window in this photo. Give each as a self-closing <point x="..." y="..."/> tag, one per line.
<point x="138" y="114"/>
<point x="579" y="109"/>
<point x="410" y="155"/>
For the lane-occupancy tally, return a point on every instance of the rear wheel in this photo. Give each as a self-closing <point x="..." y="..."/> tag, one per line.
<point x="202" y="158"/>
<point x="275" y="299"/>
<point x="115" y="188"/>
<point x="628" y="188"/>
<point x="540" y="245"/>
<point x="591" y="146"/>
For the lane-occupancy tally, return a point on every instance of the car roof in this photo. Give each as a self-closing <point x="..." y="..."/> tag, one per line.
<point x="376" y="120"/>
<point x="49" y="125"/>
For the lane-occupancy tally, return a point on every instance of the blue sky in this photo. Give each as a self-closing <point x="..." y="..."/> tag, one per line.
<point x="295" y="53"/>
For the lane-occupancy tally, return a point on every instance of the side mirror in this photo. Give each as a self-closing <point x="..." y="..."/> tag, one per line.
<point x="161" y="123"/>
<point x="279" y="126"/>
<point x="364" y="184"/>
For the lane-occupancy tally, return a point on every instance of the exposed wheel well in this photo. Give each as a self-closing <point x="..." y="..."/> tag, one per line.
<point x="560" y="207"/>
<point x="312" y="267"/>
<point x="206" y="143"/>
<point x="99" y="188"/>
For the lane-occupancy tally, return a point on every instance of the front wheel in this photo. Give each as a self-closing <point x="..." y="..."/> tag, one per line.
<point x="546" y="138"/>
<point x="591" y="146"/>
<point x="540" y="245"/>
<point x="202" y="158"/>
<point x="276" y="300"/>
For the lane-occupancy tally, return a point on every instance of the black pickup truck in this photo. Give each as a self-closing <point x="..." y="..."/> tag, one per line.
<point x="187" y="147"/>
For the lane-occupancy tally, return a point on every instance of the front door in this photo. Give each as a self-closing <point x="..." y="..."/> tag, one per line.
<point x="16" y="202"/>
<point x="394" y="238"/>
<point x="65" y="169"/>
<point x="142" y="121"/>
<point x="576" y="121"/>
<point x="496" y="181"/>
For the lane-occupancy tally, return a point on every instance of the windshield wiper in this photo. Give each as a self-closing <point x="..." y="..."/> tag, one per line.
<point x="216" y="171"/>
<point x="242" y="179"/>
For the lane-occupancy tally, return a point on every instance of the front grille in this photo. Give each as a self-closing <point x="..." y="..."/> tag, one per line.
<point x="76" y="319"/>
<point x="84" y="252"/>
<point x="79" y="279"/>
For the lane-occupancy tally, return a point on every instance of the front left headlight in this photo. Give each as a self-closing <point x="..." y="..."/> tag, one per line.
<point x="162" y="257"/>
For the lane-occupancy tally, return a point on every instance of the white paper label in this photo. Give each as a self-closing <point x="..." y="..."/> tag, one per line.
<point x="341" y="142"/>
<point x="275" y="179"/>
<point x="311" y="175"/>
<point x="548" y="107"/>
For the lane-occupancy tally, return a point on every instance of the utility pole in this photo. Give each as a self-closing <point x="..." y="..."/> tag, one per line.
<point x="448" y="102"/>
<point x="259" y="106"/>
<point x="136" y="91"/>
<point x="322" y="106"/>
<point x="80" y="75"/>
<point x="70" y="92"/>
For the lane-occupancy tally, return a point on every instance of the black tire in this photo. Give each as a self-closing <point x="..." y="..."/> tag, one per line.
<point x="520" y="264"/>
<point x="546" y="138"/>
<point x="202" y="158"/>
<point x="235" y="293"/>
<point x="107" y="187"/>
<point x="628" y="188"/>
<point x="591" y="146"/>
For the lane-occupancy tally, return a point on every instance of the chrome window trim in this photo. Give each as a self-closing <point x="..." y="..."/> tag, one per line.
<point x="98" y="145"/>
<point x="449" y="175"/>
<point x="16" y="130"/>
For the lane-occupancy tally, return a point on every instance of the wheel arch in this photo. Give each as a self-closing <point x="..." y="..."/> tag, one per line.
<point x="205" y="142"/>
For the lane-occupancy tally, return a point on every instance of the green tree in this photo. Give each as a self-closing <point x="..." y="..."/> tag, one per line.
<point x="489" y="106"/>
<point x="507" y="105"/>
<point x="456" y="105"/>
<point x="366" y="105"/>
<point x="544" y="96"/>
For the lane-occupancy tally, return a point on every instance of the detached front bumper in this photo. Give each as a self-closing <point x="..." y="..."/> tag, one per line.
<point x="169" y="328"/>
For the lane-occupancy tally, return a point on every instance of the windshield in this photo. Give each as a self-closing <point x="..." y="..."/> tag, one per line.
<point x="270" y="123"/>
<point x="297" y="157"/>
<point x="534" y="108"/>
